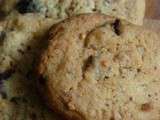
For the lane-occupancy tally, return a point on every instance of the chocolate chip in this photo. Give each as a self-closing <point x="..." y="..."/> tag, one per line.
<point x="2" y="37"/>
<point x="27" y="6"/>
<point x="130" y="98"/>
<point x="138" y="70"/>
<point x="41" y="80"/>
<point x="28" y="48"/>
<point x="21" y="51"/>
<point x="94" y="9"/>
<point x="3" y="94"/>
<point x="146" y="107"/>
<point x="11" y="63"/>
<point x="5" y="75"/>
<point x="114" y="10"/>
<point x="116" y="27"/>
<point x="107" y="104"/>
<point x="17" y="100"/>
<point x="2" y="14"/>
<point x="88" y="63"/>
<point x="155" y="68"/>
<point x="106" y="77"/>
<point x="14" y="100"/>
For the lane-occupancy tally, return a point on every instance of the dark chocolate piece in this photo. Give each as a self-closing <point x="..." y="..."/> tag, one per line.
<point x="16" y="100"/>
<point x="5" y="75"/>
<point x="2" y="37"/>
<point x="116" y="27"/>
<point x="27" y="6"/>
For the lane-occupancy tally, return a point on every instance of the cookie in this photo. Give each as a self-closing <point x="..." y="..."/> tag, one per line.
<point x="130" y="10"/>
<point x="152" y="24"/>
<point x="153" y="10"/>
<point x="101" y="68"/>
<point x="23" y="25"/>
<point x="20" y="42"/>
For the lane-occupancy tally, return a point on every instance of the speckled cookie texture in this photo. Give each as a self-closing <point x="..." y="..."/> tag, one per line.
<point x="101" y="68"/>
<point x="152" y="24"/>
<point x="23" y="27"/>
<point x="130" y="10"/>
<point x="20" y="42"/>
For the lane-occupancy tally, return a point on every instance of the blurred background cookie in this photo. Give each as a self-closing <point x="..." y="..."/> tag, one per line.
<point x="153" y="9"/>
<point x="130" y="10"/>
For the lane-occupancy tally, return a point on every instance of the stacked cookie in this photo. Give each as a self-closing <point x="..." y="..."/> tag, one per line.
<point x="91" y="66"/>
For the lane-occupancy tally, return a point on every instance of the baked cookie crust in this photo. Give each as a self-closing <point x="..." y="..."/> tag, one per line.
<point x="101" y="68"/>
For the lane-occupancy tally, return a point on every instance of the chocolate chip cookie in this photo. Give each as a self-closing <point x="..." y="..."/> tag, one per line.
<point x="101" y="68"/>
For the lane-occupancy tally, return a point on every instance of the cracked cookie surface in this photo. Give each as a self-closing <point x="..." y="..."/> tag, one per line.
<point x="101" y="68"/>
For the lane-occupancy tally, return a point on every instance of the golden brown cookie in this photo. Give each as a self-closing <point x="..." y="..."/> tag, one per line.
<point x="100" y="68"/>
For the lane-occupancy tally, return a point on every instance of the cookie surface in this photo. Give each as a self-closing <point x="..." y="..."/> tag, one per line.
<point x="19" y="44"/>
<point x="130" y="10"/>
<point x="152" y="24"/>
<point x="22" y="25"/>
<point x="100" y="68"/>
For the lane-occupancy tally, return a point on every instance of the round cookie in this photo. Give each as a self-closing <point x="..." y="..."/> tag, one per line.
<point x="101" y="68"/>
